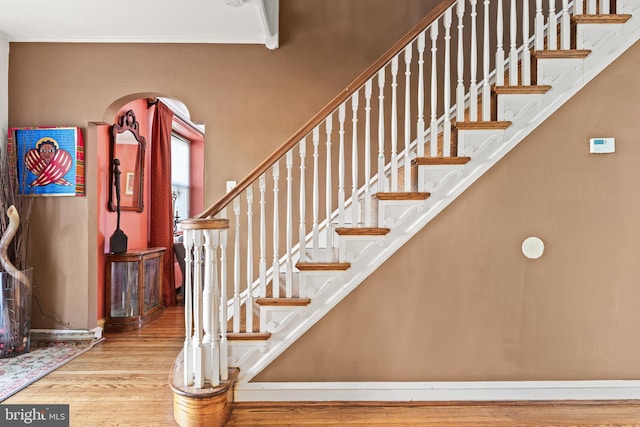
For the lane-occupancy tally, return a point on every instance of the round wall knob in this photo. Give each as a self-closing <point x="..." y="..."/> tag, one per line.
<point x="532" y="247"/>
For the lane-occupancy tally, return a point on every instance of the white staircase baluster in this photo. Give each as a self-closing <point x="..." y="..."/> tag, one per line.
<point x="420" y="123"/>
<point x="197" y="312"/>
<point x="446" y="131"/>
<point x="605" y="7"/>
<point x="215" y="307"/>
<point x="329" y="189"/>
<point x="236" y="267"/>
<point x="526" y="52"/>
<point x="249" y="268"/>
<point x="262" y="186"/>
<point x="341" y="192"/>
<point x="276" y="232"/>
<point x="394" y="124"/>
<point x="565" y="27"/>
<point x="188" y="307"/>
<point x="207" y="308"/>
<point x="209" y="304"/>
<point x="473" y="86"/>
<point x="591" y="7"/>
<point x="382" y="182"/>
<point x="302" y="231"/>
<point x="434" y="90"/>
<point x="486" y="87"/>
<point x="539" y="26"/>
<point x="407" y="116"/>
<point x="354" y="160"/>
<point x="552" y="27"/>
<point x="368" y="89"/>
<point x="289" y="225"/>
<point x="224" y="345"/>
<point x="578" y="7"/>
<point x="499" y="46"/>
<point x="315" y="233"/>
<point x="460" y="92"/>
<point x="513" y="51"/>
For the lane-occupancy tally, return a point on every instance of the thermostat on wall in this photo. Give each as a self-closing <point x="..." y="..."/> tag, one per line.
<point x="602" y="145"/>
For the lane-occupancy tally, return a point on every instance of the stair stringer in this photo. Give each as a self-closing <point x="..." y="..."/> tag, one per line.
<point x="252" y="358"/>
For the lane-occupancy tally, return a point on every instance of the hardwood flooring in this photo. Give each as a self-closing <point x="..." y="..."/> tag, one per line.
<point x="123" y="381"/>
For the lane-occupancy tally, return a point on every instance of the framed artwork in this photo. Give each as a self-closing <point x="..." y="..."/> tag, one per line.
<point x="131" y="182"/>
<point x="49" y="161"/>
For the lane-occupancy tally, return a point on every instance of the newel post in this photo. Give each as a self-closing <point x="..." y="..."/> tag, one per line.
<point x="201" y="381"/>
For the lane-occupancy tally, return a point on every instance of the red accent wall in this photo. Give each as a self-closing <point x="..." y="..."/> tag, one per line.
<point x="134" y="224"/>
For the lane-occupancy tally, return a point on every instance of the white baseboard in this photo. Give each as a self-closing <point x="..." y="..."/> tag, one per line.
<point x="61" y="335"/>
<point x="438" y="391"/>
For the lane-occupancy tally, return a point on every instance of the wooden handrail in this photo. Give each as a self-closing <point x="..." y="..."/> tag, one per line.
<point x="327" y="109"/>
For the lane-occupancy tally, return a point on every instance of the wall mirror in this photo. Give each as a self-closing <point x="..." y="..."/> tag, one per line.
<point x="127" y="145"/>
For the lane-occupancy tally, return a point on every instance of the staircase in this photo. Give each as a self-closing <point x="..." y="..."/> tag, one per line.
<point x="374" y="166"/>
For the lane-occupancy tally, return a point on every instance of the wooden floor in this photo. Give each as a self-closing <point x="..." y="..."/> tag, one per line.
<point x="123" y="381"/>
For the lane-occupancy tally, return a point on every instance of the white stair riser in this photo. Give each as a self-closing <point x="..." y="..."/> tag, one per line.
<point x="392" y="212"/>
<point x="474" y="142"/>
<point x="593" y="36"/>
<point x="554" y="71"/>
<point x="273" y="318"/>
<point x="436" y="178"/>
<point x="516" y="107"/>
<point x="352" y="248"/>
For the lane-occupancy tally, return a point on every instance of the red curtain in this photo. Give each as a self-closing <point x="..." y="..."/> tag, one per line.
<point x="161" y="210"/>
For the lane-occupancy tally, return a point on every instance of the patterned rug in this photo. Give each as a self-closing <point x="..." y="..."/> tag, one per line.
<point x="18" y="372"/>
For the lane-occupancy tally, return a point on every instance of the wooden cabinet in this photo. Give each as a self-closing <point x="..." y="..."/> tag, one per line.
<point x="134" y="289"/>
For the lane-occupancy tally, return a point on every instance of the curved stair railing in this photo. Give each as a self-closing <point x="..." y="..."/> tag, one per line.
<point x="251" y="248"/>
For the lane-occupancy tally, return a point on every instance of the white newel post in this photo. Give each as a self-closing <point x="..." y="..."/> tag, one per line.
<point x="205" y="346"/>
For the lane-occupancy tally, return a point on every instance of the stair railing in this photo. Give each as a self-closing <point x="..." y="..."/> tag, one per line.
<point x="361" y="143"/>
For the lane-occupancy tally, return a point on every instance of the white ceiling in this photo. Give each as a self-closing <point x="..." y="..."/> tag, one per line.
<point x="143" y="21"/>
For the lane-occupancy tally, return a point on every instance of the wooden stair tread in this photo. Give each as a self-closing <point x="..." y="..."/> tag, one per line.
<point x="569" y="53"/>
<point x="291" y="302"/>
<point x="494" y="124"/>
<point x="422" y="161"/>
<point x="600" y="19"/>
<point x="501" y="90"/>
<point x="402" y="196"/>
<point x="322" y="266"/>
<point x="362" y="231"/>
<point x="248" y="336"/>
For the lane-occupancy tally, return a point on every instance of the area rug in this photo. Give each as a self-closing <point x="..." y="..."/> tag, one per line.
<point x="18" y="372"/>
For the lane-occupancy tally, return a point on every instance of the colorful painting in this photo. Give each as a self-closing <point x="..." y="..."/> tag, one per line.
<point x="50" y="161"/>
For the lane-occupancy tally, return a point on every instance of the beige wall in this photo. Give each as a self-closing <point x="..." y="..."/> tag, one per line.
<point x="250" y="98"/>
<point x="460" y="302"/>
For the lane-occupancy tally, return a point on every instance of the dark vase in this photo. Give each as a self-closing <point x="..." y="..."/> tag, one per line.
<point x="15" y="315"/>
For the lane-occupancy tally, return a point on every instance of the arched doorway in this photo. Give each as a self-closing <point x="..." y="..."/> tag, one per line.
<point x="139" y="226"/>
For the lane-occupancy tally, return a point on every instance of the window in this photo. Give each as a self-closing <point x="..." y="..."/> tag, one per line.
<point x="180" y="171"/>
